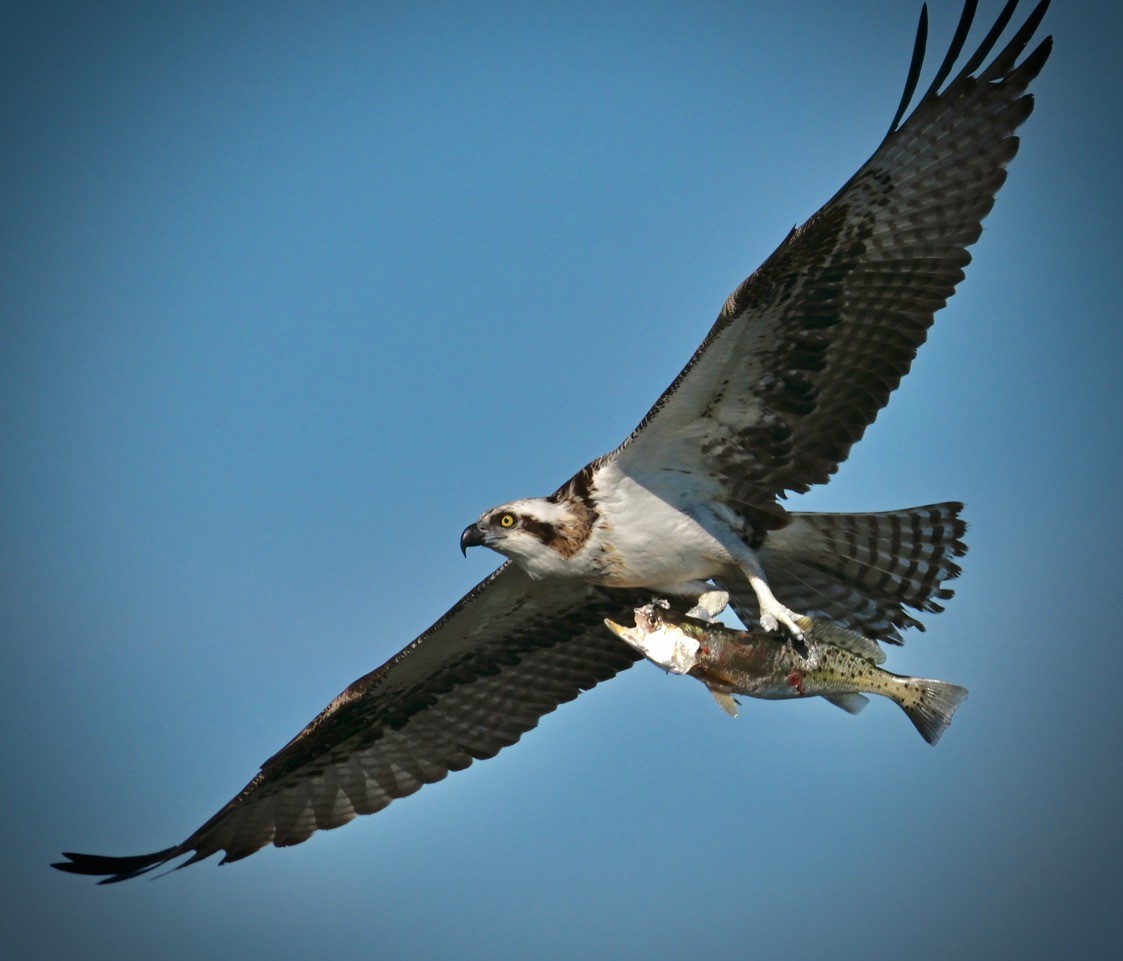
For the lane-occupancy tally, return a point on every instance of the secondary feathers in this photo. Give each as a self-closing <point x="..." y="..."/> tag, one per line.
<point x="801" y="359"/>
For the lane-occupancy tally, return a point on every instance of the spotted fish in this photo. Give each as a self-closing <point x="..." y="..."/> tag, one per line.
<point x="832" y="662"/>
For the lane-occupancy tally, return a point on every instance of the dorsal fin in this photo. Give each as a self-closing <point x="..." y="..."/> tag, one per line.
<point x="829" y="632"/>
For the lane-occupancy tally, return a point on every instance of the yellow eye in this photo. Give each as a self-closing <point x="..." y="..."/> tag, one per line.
<point x="507" y="521"/>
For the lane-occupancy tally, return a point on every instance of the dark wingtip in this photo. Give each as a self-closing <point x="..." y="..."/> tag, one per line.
<point x="113" y="869"/>
<point x="990" y="40"/>
<point x="914" y="68"/>
<point x="955" y="48"/>
<point x="1001" y="65"/>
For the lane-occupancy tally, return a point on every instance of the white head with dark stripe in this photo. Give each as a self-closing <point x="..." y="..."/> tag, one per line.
<point x="540" y="534"/>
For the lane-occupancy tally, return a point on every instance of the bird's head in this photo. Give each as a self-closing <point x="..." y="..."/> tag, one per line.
<point x="535" y="533"/>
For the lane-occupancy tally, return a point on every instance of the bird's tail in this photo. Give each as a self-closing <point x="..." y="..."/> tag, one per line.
<point x="862" y="570"/>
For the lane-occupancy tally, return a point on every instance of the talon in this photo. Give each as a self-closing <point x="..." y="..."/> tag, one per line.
<point x="793" y="630"/>
<point x="773" y="614"/>
<point x="709" y="606"/>
<point x="779" y="618"/>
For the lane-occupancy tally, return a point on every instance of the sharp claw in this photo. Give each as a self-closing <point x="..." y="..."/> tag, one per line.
<point x="782" y="618"/>
<point x="709" y="606"/>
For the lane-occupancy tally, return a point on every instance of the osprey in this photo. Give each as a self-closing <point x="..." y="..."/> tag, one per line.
<point x="802" y="357"/>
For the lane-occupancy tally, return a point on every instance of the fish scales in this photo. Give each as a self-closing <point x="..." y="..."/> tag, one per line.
<point x="833" y="662"/>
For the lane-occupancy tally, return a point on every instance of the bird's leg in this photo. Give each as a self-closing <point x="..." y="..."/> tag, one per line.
<point x="710" y="605"/>
<point x="773" y="614"/>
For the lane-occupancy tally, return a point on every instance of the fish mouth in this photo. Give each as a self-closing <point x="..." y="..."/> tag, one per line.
<point x="647" y="623"/>
<point x="472" y="537"/>
<point x="627" y="634"/>
<point x="670" y="648"/>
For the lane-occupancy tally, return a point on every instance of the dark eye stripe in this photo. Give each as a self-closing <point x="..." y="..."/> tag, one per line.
<point x="545" y="532"/>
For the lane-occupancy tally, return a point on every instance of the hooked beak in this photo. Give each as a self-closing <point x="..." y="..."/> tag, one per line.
<point x="472" y="537"/>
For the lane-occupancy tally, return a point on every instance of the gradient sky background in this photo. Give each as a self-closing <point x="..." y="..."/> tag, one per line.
<point x="292" y="292"/>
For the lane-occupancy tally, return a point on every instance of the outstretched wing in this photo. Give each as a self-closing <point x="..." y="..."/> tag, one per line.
<point x="806" y="351"/>
<point x="509" y="652"/>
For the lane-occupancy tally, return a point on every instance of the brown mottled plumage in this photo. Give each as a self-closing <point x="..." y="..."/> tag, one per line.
<point x="803" y="356"/>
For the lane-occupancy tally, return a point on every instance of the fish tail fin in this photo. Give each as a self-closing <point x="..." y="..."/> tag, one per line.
<point x="933" y="711"/>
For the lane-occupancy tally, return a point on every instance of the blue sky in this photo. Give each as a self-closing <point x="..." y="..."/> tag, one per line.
<point x="291" y="293"/>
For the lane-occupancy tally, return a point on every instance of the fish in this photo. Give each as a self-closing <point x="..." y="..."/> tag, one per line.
<point x="831" y="662"/>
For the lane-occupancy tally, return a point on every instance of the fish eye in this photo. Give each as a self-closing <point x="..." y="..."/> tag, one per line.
<point x="507" y="521"/>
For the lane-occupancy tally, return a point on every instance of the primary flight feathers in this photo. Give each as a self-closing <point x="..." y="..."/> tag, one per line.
<point x="802" y="357"/>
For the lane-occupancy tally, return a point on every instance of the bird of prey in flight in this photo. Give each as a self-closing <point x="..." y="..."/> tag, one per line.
<point x="802" y="357"/>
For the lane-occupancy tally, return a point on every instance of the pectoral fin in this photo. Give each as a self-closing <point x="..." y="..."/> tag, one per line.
<point x="725" y="701"/>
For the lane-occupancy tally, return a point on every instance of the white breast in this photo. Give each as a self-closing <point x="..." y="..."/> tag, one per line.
<point x="655" y="535"/>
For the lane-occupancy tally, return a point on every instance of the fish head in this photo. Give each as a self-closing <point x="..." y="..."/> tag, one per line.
<point x="662" y="644"/>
